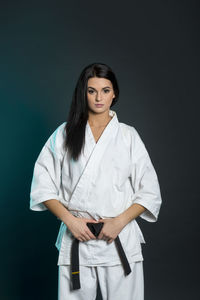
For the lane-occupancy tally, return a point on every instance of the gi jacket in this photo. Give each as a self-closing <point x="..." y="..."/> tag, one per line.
<point x="108" y="177"/>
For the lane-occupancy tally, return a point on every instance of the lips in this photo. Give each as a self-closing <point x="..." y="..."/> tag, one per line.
<point x="99" y="105"/>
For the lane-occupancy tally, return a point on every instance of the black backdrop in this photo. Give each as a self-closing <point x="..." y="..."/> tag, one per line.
<point x="153" y="47"/>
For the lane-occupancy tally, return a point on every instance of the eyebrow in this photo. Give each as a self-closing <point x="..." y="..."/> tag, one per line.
<point x="103" y="87"/>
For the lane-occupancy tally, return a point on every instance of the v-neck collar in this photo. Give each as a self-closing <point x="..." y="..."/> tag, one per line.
<point x="114" y="119"/>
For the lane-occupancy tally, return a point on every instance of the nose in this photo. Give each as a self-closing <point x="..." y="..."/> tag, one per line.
<point x="98" y="97"/>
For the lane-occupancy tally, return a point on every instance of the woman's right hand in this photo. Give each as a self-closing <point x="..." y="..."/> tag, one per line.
<point x="79" y="228"/>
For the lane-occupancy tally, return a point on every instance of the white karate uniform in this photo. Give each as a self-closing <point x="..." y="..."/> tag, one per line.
<point x="108" y="177"/>
<point x="113" y="284"/>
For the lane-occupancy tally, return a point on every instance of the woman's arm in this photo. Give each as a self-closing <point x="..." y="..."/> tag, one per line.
<point x="113" y="226"/>
<point x="77" y="226"/>
<point x="59" y="210"/>
<point x="130" y="213"/>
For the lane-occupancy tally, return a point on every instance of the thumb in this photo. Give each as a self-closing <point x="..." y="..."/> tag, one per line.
<point x="91" y="220"/>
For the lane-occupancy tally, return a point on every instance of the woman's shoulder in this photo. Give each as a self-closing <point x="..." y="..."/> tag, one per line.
<point x="128" y="130"/>
<point x="132" y="137"/>
<point x="135" y="140"/>
<point x="56" y="140"/>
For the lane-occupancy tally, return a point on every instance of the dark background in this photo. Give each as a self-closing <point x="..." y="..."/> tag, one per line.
<point x="153" y="47"/>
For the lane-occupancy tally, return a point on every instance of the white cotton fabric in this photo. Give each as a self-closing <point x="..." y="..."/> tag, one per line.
<point x="114" y="285"/>
<point x="108" y="177"/>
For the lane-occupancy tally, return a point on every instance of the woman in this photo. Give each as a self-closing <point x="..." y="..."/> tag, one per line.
<point x="94" y="173"/>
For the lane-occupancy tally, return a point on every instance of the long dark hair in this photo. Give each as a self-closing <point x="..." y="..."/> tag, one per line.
<point x="78" y="113"/>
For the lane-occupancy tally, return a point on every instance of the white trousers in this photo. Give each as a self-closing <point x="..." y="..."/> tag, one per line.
<point x="113" y="283"/>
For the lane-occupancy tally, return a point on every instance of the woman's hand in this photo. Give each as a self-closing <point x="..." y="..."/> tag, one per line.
<point x="79" y="228"/>
<point x="111" y="228"/>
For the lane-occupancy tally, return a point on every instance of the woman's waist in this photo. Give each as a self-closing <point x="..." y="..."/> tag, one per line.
<point x="88" y="214"/>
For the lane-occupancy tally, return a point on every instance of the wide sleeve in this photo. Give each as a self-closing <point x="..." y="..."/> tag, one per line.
<point x="46" y="178"/>
<point x="144" y="179"/>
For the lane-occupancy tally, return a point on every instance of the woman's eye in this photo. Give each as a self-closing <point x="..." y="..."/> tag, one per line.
<point x="92" y="92"/>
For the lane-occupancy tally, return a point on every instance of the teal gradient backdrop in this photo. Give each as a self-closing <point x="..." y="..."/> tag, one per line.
<point x="153" y="46"/>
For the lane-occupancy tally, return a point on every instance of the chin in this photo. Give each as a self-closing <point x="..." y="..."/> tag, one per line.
<point x="100" y="109"/>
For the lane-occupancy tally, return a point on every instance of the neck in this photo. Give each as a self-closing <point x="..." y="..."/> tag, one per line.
<point x="100" y="119"/>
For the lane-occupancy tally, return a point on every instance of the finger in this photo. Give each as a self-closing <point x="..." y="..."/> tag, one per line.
<point x="101" y="220"/>
<point x="91" y="221"/>
<point x="110" y="241"/>
<point x="100" y="235"/>
<point x="91" y="235"/>
<point x="83" y="239"/>
<point x="87" y="236"/>
<point x="104" y="237"/>
<point x="80" y="239"/>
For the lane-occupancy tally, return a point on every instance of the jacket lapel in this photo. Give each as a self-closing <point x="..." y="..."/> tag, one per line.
<point x="93" y="153"/>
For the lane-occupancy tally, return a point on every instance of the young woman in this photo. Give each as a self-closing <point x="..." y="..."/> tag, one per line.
<point x="94" y="173"/>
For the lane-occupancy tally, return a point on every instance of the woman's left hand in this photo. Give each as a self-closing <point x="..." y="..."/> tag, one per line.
<point x="111" y="228"/>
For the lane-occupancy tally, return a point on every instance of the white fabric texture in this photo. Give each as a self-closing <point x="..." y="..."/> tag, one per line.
<point x="109" y="177"/>
<point x="114" y="285"/>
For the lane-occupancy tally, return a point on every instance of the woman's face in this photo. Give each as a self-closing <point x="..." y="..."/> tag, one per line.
<point x="100" y="94"/>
